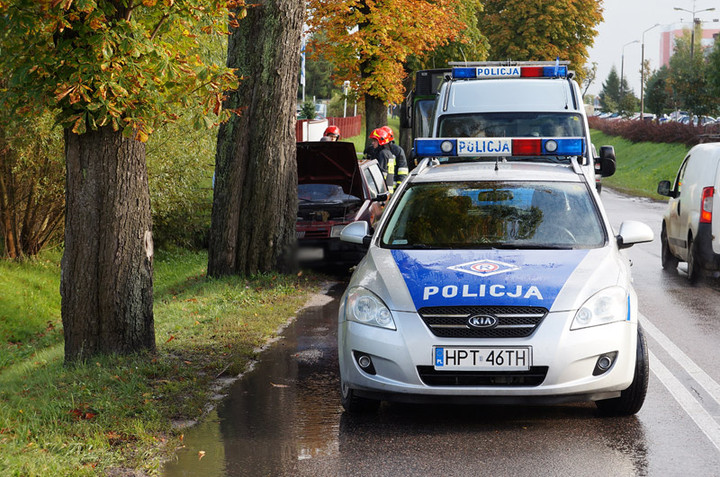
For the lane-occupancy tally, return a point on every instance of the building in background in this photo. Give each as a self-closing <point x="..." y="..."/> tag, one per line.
<point x="710" y="31"/>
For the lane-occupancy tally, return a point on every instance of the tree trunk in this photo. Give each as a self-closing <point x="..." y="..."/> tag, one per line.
<point x="107" y="267"/>
<point x="255" y="196"/>
<point x="7" y="202"/>
<point x="375" y="113"/>
<point x="406" y="134"/>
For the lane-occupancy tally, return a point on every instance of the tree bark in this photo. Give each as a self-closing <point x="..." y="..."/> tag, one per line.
<point x="255" y="196"/>
<point x="107" y="267"/>
<point x="375" y="113"/>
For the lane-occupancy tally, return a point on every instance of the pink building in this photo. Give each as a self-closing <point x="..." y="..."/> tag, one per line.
<point x="676" y="30"/>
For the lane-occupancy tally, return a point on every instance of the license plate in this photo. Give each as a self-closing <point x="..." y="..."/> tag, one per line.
<point x="308" y="254"/>
<point x="453" y="358"/>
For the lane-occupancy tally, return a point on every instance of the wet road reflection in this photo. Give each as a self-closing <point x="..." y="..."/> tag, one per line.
<point x="285" y="418"/>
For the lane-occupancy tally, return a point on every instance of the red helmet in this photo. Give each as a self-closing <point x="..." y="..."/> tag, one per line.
<point x="332" y="131"/>
<point x="390" y="133"/>
<point x="381" y="135"/>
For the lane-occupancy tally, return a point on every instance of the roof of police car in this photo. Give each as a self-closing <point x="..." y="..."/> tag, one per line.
<point x="506" y="171"/>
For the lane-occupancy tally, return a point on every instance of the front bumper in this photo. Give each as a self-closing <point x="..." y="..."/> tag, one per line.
<point x="333" y="251"/>
<point x="568" y="356"/>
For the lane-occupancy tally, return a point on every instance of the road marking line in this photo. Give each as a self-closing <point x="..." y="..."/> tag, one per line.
<point x="701" y="377"/>
<point x="695" y="410"/>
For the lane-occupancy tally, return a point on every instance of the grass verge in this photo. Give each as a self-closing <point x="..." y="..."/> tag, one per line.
<point x="640" y="166"/>
<point x="113" y="416"/>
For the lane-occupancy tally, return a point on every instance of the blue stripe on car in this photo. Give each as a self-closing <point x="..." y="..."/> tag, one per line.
<point x="486" y="277"/>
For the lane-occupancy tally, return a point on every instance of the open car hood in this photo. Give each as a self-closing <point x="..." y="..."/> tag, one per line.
<point x="330" y="163"/>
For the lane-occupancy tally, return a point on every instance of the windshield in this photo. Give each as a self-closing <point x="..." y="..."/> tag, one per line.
<point x="511" y="125"/>
<point x="495" y="215"/>
<point x="515" y="125"/>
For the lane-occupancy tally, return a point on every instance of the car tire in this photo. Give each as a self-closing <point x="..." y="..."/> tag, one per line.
<point x="693" y="266"/>
<point x="669" y="261"/>
<point x="355" y="404"/>
<point x="631" y="399"/>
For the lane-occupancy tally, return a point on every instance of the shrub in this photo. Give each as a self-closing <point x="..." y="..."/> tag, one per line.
<point x="652" y="131"/>
<point x="181" y="161"/>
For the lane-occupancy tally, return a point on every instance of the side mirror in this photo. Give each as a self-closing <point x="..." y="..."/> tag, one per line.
<point x="356" y="232"/>
<point x="632" y="232"/>
<point x="607" y="161"/>
<point x="383" y="197"/>
<point x="664" y="189"/>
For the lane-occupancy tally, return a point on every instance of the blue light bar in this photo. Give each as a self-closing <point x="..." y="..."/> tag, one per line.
<point x="464" y="73"/>
<point x="494" y="72"/>
<point x="550" y="71"/>
<point x="434" y="147"/>
<point x="492" y="147"/>
<point x="568" y="146"/>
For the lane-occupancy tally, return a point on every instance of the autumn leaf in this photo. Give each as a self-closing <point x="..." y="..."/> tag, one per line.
<point x="83" y="412"/>
<point x="63" y="91"/>
<point x="141" y="135"/>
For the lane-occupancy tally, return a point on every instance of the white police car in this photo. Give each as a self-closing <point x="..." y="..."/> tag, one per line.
<point x="496" y="281"/>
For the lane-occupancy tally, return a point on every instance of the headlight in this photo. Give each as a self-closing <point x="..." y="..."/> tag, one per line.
<point x="606" y="306"/>
<point x="367" y="308"/>
<point x="335" y="230"/>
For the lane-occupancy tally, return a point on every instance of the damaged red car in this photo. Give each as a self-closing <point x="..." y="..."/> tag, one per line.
<point x="334" y="189"/>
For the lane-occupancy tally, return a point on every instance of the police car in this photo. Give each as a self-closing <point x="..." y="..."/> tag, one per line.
<point x="495" y="281"/>
<point x="495" y="99"/>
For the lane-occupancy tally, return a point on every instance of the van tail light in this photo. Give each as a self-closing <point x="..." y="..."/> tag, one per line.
<point x="706" y="205"/>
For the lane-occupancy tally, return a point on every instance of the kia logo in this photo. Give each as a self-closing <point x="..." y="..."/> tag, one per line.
<point x="482" y="321"/>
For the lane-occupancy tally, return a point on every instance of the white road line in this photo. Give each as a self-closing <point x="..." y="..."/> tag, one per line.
<point x="702" y="418"/>
<point x="701" y="377"/>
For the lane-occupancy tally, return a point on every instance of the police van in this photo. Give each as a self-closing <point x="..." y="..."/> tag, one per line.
<point x="512" y="99"/>
<point x="494" y="281"/>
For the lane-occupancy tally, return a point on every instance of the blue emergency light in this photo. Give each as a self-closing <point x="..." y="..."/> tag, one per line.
<point x="494" y="72"/>
<point x="499" y="146"/>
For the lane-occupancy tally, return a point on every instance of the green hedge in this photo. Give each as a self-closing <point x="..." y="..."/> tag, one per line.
<point x="641" y="165"/>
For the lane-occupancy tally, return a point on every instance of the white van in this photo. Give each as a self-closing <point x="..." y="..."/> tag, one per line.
<point x="690" y="231"/>
<point x="517" y="100"/>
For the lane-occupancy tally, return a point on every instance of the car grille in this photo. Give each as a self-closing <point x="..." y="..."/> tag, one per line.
<point x="534" y="377"/>
<point x="452" y="321"/>
<point x="317" y="233"/>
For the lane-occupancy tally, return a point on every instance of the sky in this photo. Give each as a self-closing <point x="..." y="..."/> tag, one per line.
<point x="625" y="21"/>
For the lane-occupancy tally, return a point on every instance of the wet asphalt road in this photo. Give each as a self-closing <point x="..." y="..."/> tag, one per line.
<point x="284" y="418"/>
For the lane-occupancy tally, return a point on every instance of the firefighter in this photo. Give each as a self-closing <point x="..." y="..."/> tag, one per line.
<point x="386" y="160"/>
<point x="401" y="163"/>
<point x="332" y="133"/>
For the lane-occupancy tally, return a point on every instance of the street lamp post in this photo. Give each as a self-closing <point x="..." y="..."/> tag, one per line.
<point x="642" y="72"/>
<point x="622" y="71"/>
<point x="694" y="20"/>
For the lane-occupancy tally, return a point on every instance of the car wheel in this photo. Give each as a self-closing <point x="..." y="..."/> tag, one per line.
<point x="693" y="267"/>
<point x="669" y="261"/>
<point x="355" y="404"/>
<point x="631" y="399"/>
